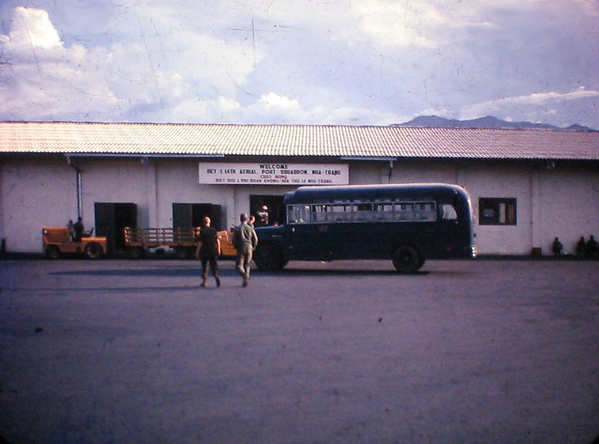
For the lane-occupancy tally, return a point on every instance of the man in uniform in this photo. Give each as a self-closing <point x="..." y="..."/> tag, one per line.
<point x="78" y="230"/>
<point x="208" y="251"/>
<point x="245" y="240"/>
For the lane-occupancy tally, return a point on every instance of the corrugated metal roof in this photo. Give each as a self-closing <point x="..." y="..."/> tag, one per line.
<point x="175" y="140"/>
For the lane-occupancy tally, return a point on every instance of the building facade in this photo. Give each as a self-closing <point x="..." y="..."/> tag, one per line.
<point x="527" y="186"/>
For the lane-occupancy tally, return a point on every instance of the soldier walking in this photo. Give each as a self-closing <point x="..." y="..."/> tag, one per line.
<point x="208" y="251"/>
<point x="245" y="241"/>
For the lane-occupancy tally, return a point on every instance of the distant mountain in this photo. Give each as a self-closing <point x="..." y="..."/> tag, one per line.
<point x="482" y="122"/>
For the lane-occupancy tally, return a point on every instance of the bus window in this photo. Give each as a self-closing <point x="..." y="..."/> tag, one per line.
<point x="363" y="212"/>
<point x="448" y="212"/>
<point x="425" y="212"/>
<point x="341" y="212"/>
<point x="383" y="211"/>
<point x="404" y="211"/>
<point x="297" y="214"/>
<point x="318" y="213"/>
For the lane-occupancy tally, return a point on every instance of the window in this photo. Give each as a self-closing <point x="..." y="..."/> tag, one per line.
<point x="448" y="212"/>
<point x="362" y="212"/>
<point x="497" y="211"/>
<point x="298" y="214"/>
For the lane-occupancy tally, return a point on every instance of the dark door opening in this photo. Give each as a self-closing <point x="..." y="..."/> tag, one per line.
<point x="268" y="210"/>
<point x="189" y="215"/>
<point x="111" y="218"/>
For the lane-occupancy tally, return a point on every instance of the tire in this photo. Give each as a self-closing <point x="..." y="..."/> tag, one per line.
<point x="136" y="253"/>
<point x="407" y="260"/>
<point x="52" y="252"/>
<point x="184" y="253"/>
<point x="93" y="250"/>
<point x="269" y="258"/>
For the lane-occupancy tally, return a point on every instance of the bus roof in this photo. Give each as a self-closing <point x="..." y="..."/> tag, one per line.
<point x="322" y="194"/>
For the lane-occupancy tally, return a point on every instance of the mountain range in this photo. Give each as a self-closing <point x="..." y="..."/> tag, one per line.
<point x="482" y="122"/>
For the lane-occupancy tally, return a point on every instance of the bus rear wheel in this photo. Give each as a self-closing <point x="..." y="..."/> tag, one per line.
<point x="269" y="258"/>
<point x="406" y="259"/>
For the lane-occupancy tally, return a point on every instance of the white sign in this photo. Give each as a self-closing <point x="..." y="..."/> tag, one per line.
<point x="273" y="174"/>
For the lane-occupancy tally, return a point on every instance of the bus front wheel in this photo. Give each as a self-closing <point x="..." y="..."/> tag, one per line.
<point x="406" y="259"/>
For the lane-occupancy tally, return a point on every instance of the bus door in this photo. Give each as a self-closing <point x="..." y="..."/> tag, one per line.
<point x="310" y="233"/>
<point x="311" y="241"/>
<point x="357" y="231"/>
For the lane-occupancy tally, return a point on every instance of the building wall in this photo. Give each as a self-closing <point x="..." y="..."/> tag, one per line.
<point x="506" y="182"/>
<point x="35" y="194"/>
<point x="558" y="202"/>
<point x="115" y="181"/>
<point x="569" y="206"/>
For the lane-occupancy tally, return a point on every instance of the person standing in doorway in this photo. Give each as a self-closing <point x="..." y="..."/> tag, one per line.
<point x="78" y="230"/>
<point x="208" y="251"/>
<point x="70" y="226"/>
<point x="245" y="241"/>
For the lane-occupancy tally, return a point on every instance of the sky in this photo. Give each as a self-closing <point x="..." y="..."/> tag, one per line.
<point x="337" y="62"/>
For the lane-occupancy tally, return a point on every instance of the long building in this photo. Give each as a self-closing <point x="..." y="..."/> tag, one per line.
<point x="527" y="186"/>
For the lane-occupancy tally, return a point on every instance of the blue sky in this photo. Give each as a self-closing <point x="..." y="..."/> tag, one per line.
<point x="345" y="62"/>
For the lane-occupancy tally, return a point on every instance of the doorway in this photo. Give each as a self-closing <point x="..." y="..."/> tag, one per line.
<point x="111" y="219"/>
<point x="268" y="210"/>
<point x="189" y="215"/>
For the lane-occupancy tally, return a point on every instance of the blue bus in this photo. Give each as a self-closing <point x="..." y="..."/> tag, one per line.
<point x="407" y="223"/>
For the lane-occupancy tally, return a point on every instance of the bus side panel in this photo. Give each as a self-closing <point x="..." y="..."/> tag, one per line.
<point x="309" y="242"/>
<point x="343" y="241"/>
<point x="371" y="240"/>
<point x="371" y="222"/>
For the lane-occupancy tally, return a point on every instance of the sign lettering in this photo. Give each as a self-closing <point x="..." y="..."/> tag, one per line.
<point x="273" y="174"/>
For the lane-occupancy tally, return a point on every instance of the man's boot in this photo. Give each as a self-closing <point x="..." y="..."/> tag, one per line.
<point x="204" y="282"/>
<point x="217" y="277"/>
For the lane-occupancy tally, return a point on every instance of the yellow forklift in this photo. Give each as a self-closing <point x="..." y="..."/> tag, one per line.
<point x="57" y="242"/>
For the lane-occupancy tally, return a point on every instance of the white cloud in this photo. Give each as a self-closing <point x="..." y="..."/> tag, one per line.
<point x="274" y="100"/>
<point x="398" y="23"/>
<point x="559" y="109"/>
<point x="529" y="105"/>
<point x="33" y="28"/>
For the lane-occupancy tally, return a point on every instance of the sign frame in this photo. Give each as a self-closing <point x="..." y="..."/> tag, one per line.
<point x="272" y="173"/>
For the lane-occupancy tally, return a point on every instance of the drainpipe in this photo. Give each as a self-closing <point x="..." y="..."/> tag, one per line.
<point x="79" y="193"/>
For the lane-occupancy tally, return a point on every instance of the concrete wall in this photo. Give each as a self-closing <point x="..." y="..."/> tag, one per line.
<point x="562" y="202"/>
<point x="569" y="206"/>
<point x="506" y="182"/>
<point x="117" y="181"/>
<point x="35" y="194"/>
<point x="559" y="202"/>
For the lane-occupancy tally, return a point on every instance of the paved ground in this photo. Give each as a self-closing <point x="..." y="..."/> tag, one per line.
<point x="463" y="352"/>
